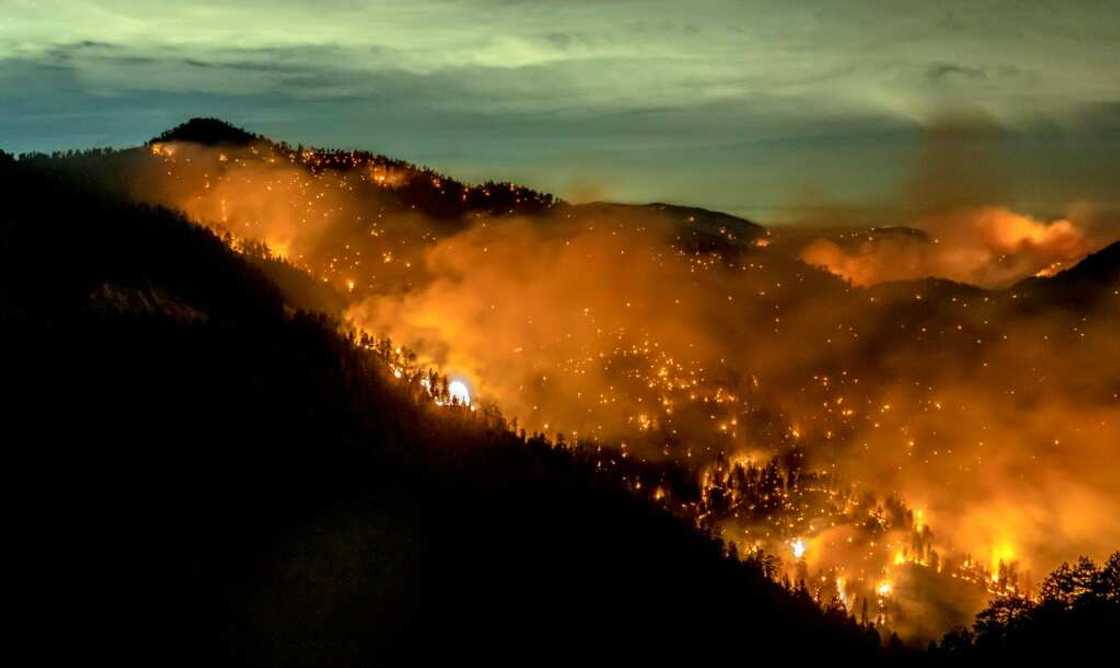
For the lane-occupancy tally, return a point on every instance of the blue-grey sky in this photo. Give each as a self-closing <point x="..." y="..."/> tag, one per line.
<point x="753" y="106"/>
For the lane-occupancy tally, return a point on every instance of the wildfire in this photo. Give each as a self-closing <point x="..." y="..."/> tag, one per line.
<point x="1003" y="555"/>
<point x="459" y="393"/>
<point x="612" y="335"/>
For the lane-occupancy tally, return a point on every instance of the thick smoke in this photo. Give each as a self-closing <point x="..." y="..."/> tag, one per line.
<point x="950" y="219"/>
<point x="996" y="419"/>
<point x="989" y="246"/>
<point x="580" y="325"/>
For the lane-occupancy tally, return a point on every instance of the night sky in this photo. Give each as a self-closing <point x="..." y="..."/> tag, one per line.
<point x="760" y="108"/>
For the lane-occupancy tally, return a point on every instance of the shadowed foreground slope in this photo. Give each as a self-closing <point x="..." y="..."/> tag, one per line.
<point x="205" y="473"/>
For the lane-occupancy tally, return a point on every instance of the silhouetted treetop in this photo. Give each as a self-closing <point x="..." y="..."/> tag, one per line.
<point x="1077" y="611"/>
<point x="208" y="132"/>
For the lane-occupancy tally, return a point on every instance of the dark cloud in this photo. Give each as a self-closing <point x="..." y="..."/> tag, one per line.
<point x="82" y="49"/>
<point x="90" y="44"/>
<point x="241" y="65"/>
<point x="940" y="72"/>
<point x="559" y="40"/>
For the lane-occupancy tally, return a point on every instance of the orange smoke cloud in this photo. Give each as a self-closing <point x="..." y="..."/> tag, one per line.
<point x="986" y="246"/>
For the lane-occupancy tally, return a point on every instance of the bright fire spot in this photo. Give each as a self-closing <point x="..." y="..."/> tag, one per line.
<point x="1002" y="554"/>
<point x="798" y="546"/>
<point x="279" y="248"/>
<point x="884" y="588"/>
<point x="459" y="393"/>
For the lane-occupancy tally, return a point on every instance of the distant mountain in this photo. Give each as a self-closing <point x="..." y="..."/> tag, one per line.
<point x="712" y="222"/>
<point x="695" y="229"/>
<point x="1099" y="268"/>
<point x="856" y="238"/>
<point x="1095" y="278"/>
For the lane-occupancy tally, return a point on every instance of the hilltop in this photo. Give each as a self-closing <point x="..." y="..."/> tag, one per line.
<point x="208" y="132"/>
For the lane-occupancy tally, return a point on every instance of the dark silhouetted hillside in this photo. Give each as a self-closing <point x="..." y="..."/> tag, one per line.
<point x="206" y="474"/>
<point x="1081" y="286"/>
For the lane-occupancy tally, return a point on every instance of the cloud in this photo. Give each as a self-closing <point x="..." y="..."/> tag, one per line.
<point x="947" y="71"/>
<point x="769" y="92"/>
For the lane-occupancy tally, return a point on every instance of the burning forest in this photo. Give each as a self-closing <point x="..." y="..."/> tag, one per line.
<point x="905" y="420"/>
<point x="492" y="329"/>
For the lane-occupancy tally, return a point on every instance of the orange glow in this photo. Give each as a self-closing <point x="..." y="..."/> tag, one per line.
<point x="810" y="413"/>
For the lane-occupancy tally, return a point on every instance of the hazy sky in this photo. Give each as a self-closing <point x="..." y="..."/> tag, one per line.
<point x="749" y="106"/>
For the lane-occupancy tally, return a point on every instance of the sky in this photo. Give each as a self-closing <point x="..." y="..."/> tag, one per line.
<point x="757" y="107"/>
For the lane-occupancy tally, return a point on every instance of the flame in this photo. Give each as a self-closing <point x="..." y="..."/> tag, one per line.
<point x="1003" y="554"/>
<point x="798" y="547"/>
<point x="459" y="393"/>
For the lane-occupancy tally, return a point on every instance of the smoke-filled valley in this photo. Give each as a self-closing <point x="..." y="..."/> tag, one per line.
<point x="909" y="416"/>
